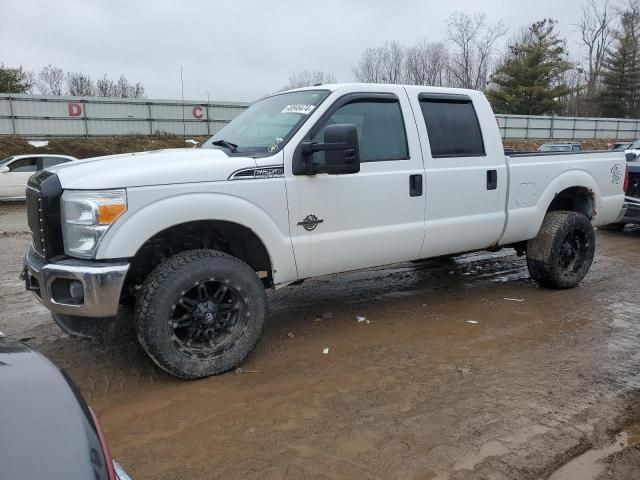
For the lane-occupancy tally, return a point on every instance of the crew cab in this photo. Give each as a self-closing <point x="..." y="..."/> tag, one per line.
<point x="304" y="183"/>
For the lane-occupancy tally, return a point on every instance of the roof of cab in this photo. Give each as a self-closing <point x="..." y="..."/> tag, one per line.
<point x="42" y="154"/>
<point x="338" y="86"/>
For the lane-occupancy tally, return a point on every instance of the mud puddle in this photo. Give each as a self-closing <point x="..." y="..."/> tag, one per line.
<point x="591" y="464"/>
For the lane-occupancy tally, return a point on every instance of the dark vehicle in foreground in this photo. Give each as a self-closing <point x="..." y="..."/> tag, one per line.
<point x="47" y="431"/>
<point x="563" y="147"/>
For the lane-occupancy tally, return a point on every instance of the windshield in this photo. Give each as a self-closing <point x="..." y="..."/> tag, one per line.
<point x="4" y="161"/>
<point x="266" y="125"/>
<point x="555" y="148"/>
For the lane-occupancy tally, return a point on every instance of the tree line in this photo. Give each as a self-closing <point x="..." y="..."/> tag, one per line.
<point x="531" y="73"/>
<point x="52" y="80"/>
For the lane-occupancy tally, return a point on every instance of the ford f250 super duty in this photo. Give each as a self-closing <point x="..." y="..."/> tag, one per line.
<point x="304" y="183"/>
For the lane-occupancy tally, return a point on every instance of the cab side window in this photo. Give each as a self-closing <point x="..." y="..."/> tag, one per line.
<point x="23" y="165"/>
<point x="452" y="127"/>
<point x="381" y="132"/>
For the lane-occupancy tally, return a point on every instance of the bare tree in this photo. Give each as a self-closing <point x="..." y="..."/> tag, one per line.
<point x="79" y="84"/>
<point x="427" y="64"/>
<point x="393" y="61"/>
<point x="597" y="34"/>
<point x="124" y="89"/>
<point x="309" y="78"/>
<point x="50" y="80"/>
<point x="369" y="67"/>
<point x="105" y="87"/>
<point x="474" y="42"/>
<point x="384" y="64"/>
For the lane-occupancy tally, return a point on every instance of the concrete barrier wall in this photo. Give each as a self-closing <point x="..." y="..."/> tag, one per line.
<point x="52" y="116"/>
<point x="574" y="128"/>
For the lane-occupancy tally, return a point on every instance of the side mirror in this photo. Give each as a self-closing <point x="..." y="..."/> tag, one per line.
<point x="342" y="154"/>
<point x="631" y="156"/>
<point x="4" y="169"/>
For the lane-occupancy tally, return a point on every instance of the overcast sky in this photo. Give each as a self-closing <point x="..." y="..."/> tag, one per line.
<point x="235" y="49"/>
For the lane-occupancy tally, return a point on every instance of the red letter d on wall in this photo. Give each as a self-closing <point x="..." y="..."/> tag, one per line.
<point x="75" y="109"/>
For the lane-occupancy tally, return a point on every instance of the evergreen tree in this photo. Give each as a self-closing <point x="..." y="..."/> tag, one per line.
<point x="621" y="75"/>
<point x="15" y="80"/>
<point x="531" y="81"/>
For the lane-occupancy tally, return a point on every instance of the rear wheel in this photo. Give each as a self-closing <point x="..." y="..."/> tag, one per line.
<point x="200" y="313"/>
<point x="562" y="253"/>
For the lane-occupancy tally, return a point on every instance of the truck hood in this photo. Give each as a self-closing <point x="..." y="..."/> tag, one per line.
<point x="160" y="167"/>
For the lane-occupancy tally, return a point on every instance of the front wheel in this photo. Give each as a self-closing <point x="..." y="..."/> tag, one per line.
<point x="200" y="313"/>
<point x="562" y="253"/>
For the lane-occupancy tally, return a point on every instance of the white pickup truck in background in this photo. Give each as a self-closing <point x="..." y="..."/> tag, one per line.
<point x="304" y="183"/>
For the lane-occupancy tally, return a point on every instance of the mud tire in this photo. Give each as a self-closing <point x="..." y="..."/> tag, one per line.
<point x="561" y="254"/>
<point x="165" y="284"/>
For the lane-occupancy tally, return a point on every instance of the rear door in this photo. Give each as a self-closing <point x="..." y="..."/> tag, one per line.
<point x="369" y="218"/>
<point x="14" y="182"/>
<point x="465" y="173"/>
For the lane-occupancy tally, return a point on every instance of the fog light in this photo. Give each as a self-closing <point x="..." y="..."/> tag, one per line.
<point x="76" y="290"/>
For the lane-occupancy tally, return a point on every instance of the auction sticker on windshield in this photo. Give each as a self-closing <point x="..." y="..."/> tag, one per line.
<point x="299" y="108"/>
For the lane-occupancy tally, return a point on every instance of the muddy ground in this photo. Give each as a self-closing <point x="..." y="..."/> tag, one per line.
<point x="463" y="369"/>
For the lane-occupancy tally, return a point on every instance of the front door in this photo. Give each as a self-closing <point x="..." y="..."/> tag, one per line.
<point x="374" y="217"/>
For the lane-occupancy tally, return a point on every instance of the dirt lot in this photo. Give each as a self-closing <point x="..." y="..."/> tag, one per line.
<point x="464" y="369"/>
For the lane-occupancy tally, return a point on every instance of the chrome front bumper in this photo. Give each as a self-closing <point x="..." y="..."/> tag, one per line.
<point x="73" y="287"/>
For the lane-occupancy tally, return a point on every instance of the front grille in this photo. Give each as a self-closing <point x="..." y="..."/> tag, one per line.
<point x="43" y="213"/>
<point x="633" y="190"/>
<point x="34" y="220"/>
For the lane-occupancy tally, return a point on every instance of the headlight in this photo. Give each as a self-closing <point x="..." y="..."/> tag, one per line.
<point x="86" y="216"/>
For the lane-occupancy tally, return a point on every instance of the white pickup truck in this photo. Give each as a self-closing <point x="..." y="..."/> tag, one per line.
<point x="304" y="183"/>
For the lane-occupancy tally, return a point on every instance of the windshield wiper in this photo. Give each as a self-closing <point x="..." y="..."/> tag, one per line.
<point x="223" y="143"/>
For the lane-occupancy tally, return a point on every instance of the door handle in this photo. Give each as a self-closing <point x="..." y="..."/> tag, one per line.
<point x="415" y="185"/>
<point x="492" y="179"/>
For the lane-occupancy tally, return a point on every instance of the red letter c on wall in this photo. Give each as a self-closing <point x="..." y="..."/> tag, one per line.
<point x="197" y="112"/>
<point x="75" y="109"/>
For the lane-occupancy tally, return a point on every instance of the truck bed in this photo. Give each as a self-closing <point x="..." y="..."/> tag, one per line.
<point x="535" y="179"/>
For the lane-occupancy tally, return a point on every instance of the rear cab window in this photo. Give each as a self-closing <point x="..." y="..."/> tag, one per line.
<point x="452" y="126"/>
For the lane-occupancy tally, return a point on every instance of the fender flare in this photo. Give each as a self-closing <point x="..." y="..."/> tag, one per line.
<point x="571" y="179"/>
<point x="134" y="228"/>
<point x="525" y="223"/>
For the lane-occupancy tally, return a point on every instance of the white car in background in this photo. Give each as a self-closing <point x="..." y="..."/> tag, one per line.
<point x="16" y="170"/>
